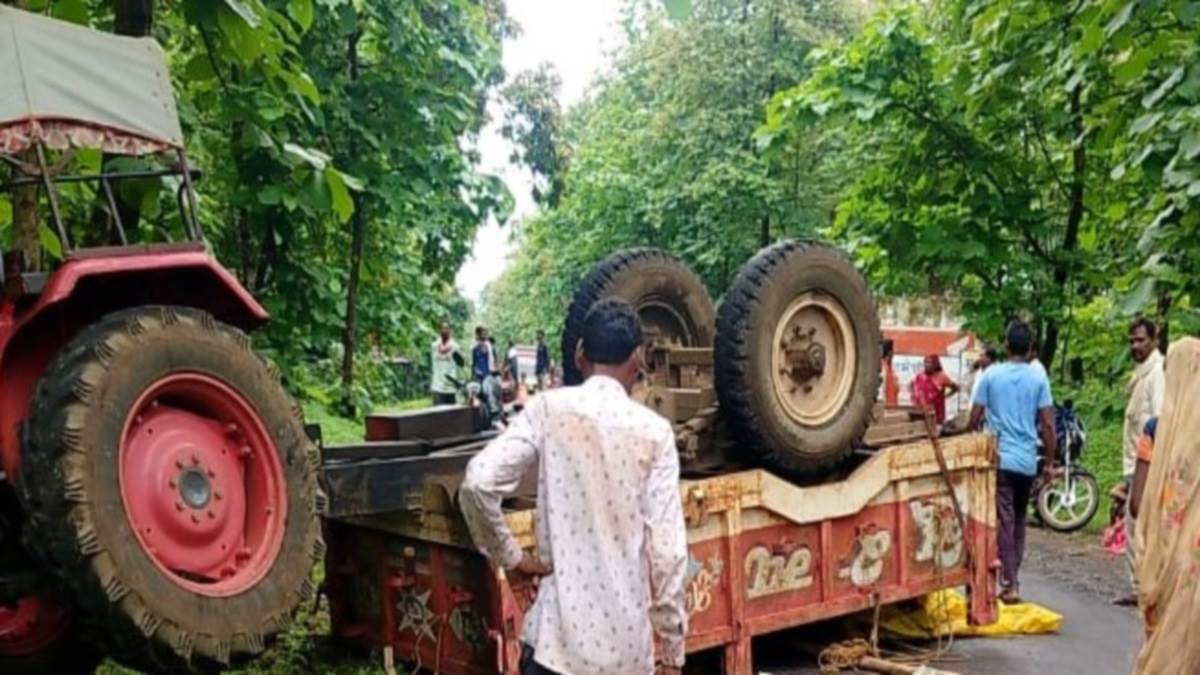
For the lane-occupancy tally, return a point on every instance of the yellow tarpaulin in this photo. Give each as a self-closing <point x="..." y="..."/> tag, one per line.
<point x="944" y="613"/>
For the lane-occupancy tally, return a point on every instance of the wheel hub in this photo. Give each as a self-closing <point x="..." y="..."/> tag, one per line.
<point x="194" y="488"/>
<point x="813" y="358"/>
<point x="30" y="625"/>
<point x="805" y="357"/>
<point x="202" y="485"/>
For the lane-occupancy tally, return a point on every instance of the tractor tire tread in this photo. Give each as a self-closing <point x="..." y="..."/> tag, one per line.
<point x="51" y="483"/>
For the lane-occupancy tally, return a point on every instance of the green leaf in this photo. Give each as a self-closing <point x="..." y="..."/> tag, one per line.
<point x="343" y="203"/>
<point x="243" y="10"/>
<point x="1189" y="13"/>
<point x="315" y="158"/>
<point x="241" y="37"/>
<point x="1190" y="89"/>
<point x="199" y="68"/>
<point x="50" y="241"/>
<point x="301" y="12"/>
<point x="1136" y="299"/>
<point x="1120" y="19"/>
<point x="1189" y="145"/>
<point x="1091" y="40"/>
<point x="304" y="86"/>
<point x="1134" y="66"/>
<point x="1149" y="100"/>
<point x="75" y="11"/>
<point x="678" y="10"/>
<point x="1144" y="123"/>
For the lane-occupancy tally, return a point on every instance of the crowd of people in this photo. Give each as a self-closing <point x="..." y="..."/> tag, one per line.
<point x="1012" y="400"/>
<point x="447" y="361"/>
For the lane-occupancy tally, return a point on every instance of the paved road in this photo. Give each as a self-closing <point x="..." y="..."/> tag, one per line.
<point x="1097" y="638"/>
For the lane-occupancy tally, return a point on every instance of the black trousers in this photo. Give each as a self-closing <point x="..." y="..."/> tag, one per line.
<point x="531" y="667"/>
<point x="1012" y="505"/>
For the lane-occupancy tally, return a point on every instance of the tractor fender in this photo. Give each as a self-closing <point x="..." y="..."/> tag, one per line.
<point x="91" y="284"/>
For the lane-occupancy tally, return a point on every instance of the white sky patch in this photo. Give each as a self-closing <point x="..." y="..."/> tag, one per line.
<point x="576" y="36"/>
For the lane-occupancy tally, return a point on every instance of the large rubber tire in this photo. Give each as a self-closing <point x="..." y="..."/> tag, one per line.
<point x="750" y="313"/>
<point x="663" y="290"/>
<point x="70" y="483"/>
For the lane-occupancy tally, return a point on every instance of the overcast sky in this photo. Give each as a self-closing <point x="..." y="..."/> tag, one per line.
<point x="577" y="36"/>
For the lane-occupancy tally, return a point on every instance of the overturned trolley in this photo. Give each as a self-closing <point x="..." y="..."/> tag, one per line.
<point x="804" y="500"/>
<point x="764" y="554"/>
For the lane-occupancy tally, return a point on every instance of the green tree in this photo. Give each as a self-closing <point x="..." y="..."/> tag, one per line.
<point x="662" y="152"/>
<point x="336" y="142"/>
<point x="987" y="134"/>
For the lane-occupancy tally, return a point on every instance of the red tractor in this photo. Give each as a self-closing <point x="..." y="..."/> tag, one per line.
<point x="159" y="499"/>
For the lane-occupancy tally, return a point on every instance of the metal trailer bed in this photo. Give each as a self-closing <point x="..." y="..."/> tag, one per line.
<point x="765" y="554"/>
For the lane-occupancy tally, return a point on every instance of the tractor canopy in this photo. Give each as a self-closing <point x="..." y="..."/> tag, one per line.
<point x="67" y="86"/>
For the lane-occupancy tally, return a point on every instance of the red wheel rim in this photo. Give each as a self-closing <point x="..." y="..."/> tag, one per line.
<point x="30" y="626"/>
<point x="202" y="485"/>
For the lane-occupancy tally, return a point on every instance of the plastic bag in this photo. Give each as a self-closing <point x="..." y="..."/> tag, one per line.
<point x="944" y="612"/>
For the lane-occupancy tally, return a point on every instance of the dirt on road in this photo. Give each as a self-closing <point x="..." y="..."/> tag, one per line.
<point x="1076" y="561"/>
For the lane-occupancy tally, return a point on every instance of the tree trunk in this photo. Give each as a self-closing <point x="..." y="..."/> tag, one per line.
<point x="1064" y="262"/>
<point x="357" y="242"/>
<point x="1164" y="321"/>
<point x="25" y="208"/>
<point x="133" y="17"/>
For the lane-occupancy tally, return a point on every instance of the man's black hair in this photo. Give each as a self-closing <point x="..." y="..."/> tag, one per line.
<point x="611" y="332"/>
<point x="889" y="346"/>
<point x="1146" y="325"/>
<point x="992" y="353"/>
<point x="1018" y="338"/>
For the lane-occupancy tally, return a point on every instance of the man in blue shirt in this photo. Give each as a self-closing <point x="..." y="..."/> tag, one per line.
<point x="1016" y="399"/>
<point x="483" y="357"/>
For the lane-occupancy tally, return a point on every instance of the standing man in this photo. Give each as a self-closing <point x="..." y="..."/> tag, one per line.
<point x="1147" y="386"/>
<point x="542" y="369"/>
<point x="483" y="356"/>
<point x="611" y="541"/>
<point x="1013" y="395"/>
<point x="932" y="386"/>
<point x="891" y="386"/>
<point x="444" y="351"/>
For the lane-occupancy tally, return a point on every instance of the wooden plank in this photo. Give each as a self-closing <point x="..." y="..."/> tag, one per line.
<point x="887" y="433"/>
<point x="426" y="424"/>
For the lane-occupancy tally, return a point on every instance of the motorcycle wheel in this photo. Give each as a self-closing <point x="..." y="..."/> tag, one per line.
<point x="1067" y="504"/>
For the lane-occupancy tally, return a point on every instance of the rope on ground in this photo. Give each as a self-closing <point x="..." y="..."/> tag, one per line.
<point x="843" y="655"/>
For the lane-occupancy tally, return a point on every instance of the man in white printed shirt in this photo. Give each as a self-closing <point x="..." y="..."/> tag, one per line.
<point x="611" y="540"/>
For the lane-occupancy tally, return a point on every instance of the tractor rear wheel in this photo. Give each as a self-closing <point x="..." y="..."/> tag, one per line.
<point x="171" y="487"/>
<point x="670" y="299"/>
<point x="797" y="357"/>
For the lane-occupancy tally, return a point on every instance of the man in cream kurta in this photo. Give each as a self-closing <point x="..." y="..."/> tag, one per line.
<point x="611" y="539"/>
<point x="1147" y="386"/>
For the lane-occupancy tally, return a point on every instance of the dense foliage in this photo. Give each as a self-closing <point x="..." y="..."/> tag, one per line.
<point x="1012" y="152"/>
<point x="338" y="183"/>
<point x="662" y="152"/>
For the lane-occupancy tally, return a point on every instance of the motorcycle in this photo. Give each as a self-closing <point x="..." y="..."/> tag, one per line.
<point x="486" y="399"/>
<point x="1069" y="500"/>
